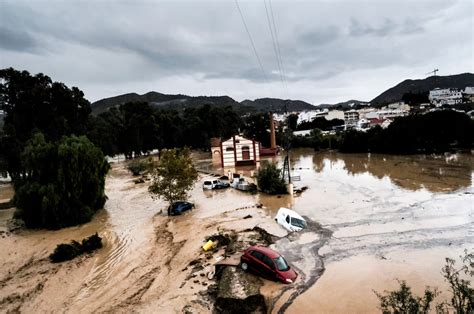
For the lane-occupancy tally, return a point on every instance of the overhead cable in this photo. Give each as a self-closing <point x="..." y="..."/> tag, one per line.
<point x="251" y="40"/>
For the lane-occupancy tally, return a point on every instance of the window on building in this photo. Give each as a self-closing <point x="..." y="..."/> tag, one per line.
<point x="229" y="149"/>
<point x="245" y="152"/>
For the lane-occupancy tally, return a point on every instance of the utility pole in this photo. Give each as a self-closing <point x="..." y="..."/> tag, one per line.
<point x="434" y="72"/>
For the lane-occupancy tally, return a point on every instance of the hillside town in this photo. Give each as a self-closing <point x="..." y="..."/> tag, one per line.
<point x="366" y="116"/>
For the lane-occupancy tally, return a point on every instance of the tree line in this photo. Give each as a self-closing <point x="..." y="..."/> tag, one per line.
<point x="58" y="174"/>
<point x="432" y="132"/>
<point x="53" y="148"/>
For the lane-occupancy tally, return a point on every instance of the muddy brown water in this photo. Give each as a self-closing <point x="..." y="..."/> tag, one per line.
<point x="373" y="218"/>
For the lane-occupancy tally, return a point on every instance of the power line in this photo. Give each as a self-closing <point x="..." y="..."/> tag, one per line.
<point x="251" y="40"/>
<point x="275" y="49"/>
<point x="277" y="42"/>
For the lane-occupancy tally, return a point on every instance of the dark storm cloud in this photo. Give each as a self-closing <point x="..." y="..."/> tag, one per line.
<point x="123" y="43"/>
<point x="320" y="36"/>
<point x="16" y="39"/>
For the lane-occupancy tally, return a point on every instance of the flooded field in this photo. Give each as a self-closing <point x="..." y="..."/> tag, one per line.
<point x="390" y="216"/>
<point x="374" y="218"/>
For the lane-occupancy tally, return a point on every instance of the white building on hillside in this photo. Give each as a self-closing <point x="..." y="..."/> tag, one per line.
<point x="469" y="90"/>
<point x="351" y="117"/>
<point x="446" y="96"/>
<point x="308" y="116"/>
<point x="468" y="94"/>
<point x="335" y="114"/>
<point x="384" y="114"/>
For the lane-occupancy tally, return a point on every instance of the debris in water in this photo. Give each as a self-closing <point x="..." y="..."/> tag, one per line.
<point x="264" y="236"/>
<point x="209" y="245"/>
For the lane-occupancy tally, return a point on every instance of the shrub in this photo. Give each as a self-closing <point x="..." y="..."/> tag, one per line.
<point x="462" y="294"/>
<point x="66" y="252"/>
<point x="138" y="167"/>
<point x="270" y="180"/>
<point x="403" y="300"/>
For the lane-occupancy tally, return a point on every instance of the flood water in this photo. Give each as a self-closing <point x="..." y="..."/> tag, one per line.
<point x="391" y="217"/>
<point x="373" y="219"/>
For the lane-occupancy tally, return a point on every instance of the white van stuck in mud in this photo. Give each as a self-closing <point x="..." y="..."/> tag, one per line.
<point x="290" y="220"/>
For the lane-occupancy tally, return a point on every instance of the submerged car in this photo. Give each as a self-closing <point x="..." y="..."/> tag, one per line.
<point x="179" y="207"/>
<point x="267" y="263"/>
<point x="218" y="184"/>
<point x="214" y="185"/>
<point x="290" y="220"/>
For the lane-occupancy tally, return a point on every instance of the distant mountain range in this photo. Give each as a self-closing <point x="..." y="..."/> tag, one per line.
<point x="278" y="105"/>
<point x="396" y="93"/>
<point x="345" y="105"/>
<point x="181" y="102"/>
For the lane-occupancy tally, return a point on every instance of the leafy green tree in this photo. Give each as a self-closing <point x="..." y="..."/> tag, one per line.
<point x="104" y="131"/>
<point x="140" y="131"/>
<point x="292" y="121"/>
<point x="462" y="294"/>
<point x="173" y="176"/>
<point x="256" y="126"/>
<point x="140" y="166"/>
<point x="403" y="301"/>
<point x="270" y="180"/>
<point x="171" y="128"/>
<point x="415" y="98"/>
<point x="36" y="104"/>
<point x="63" y="184"/>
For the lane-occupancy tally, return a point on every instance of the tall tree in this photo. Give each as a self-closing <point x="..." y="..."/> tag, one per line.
<point x="256" y="126"/>
<point x="174" y="176"/>
<point x="36" y="104"/>
<point x="63" y="183"/>
<point x="292" y="121"/>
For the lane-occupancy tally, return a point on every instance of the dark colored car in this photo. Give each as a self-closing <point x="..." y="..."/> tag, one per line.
<point x="267" y="263"/>
<point x="218" y="184"/>
<point x="179" y="207"/>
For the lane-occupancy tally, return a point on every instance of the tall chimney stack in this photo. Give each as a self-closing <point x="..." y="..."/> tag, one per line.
<point x="272" y="133"/>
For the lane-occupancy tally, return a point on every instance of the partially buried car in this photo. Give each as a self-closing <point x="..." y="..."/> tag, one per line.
<point x="177" y="208"/>
<point x="290" y="220"/>
<point x="218" y="184"/>
<point x="267" y="263"/>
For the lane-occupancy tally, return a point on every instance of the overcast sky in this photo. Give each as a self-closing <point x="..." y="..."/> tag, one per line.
<point x="330" y="50"/>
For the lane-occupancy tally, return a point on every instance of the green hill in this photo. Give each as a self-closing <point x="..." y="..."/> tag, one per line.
<point x="181" y="102"/>
<point x="396" y="93"/>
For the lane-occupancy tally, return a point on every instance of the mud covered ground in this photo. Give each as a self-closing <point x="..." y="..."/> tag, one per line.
<point x="147" y="260"/>
<point x="372" y="219"/>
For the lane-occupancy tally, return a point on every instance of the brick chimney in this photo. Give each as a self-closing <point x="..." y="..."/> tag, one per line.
<point x="272" y="132"/>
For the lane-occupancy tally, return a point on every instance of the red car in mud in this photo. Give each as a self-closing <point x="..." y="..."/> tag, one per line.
<point x="267" y="263"/>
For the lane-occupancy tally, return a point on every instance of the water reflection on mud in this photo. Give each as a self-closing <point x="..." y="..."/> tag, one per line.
<point x="385" y="212"/>
<point x="434" y="173"/>
<point x="372" y="218"/>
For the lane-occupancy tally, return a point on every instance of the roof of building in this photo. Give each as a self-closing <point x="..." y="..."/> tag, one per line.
<point x="375" y="120"/>
<point x="241" y="136"/>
